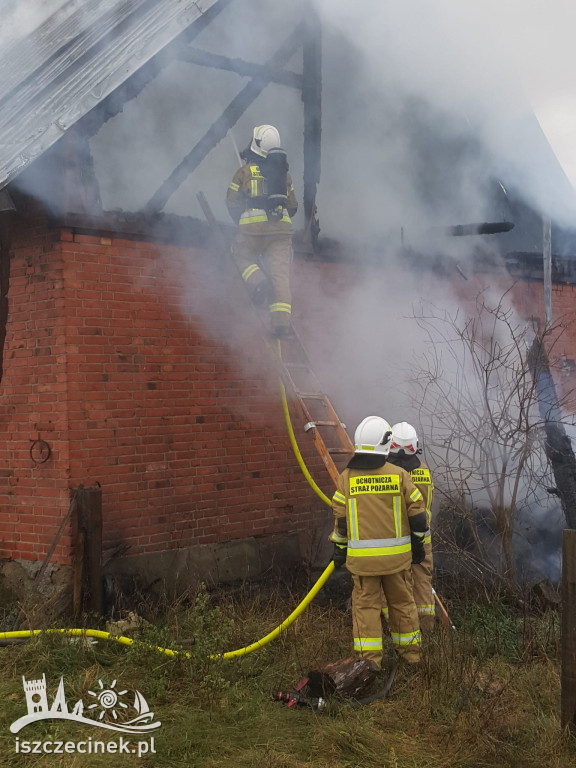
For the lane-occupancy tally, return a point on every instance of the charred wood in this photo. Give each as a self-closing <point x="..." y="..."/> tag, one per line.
<point x="312" y="104"/>
<point x="222" y="125"/>
<point x="244" y="68"/>
<point x="558" y="445"/>
<point x="115" y="101"/>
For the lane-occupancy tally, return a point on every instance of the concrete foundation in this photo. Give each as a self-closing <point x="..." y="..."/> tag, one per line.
<point x="32" y="601"/>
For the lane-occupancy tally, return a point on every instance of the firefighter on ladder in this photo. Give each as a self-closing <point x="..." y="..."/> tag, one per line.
<point x="261" y="201"/>
<point x="379" y="530"/>
<point x="404" y="452"/>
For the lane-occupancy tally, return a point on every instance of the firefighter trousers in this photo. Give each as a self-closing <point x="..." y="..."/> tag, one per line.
<point x="367" y="606"/>
<point x="266" y="260"/>
<point x="423" y="595"/>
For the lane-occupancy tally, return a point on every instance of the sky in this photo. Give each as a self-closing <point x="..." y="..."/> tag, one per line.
<point x="477" y="68"/>
<point x="531" y="38"/>
<point x="543" y="51"/>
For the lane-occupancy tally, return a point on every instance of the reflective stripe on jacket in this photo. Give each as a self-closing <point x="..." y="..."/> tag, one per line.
<point x="249" y="187"/>
<point x="377" y="505"/>
<point x="423" y="481"/>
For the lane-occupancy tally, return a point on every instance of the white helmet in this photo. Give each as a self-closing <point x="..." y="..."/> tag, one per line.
<point x="373" y="435"/>
<point x="265" y="138"/>
<point x="404" y="438"/>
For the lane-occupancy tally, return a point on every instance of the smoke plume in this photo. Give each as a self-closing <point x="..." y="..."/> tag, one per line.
<point x="427" y="123"/>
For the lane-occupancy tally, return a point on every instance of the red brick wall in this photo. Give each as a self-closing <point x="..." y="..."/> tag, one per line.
<point x="33" y="399"/>
<point x="144" y="368"/>
<point x="561" y="342"/>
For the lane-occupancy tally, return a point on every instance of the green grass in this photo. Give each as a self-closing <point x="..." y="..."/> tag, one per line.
<point x="487" y="695"/>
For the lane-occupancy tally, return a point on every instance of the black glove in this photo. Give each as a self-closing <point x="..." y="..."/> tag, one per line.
<point x="418" y="551"/>
<point x="339" y="554"/>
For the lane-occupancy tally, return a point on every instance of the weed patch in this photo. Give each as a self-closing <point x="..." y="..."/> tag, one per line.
<point x="487" y="694"/>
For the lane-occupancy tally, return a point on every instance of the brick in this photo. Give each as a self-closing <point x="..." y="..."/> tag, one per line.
<point x="124" y="394"/>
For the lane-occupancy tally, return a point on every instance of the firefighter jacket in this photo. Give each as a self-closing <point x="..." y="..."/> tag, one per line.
<point x="423" y="481"/>
<point x="372" y="510"/>
<point x="422" y="478"/>
<point x="244" y="199"/>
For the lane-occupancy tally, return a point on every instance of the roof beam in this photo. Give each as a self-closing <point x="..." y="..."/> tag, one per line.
<point x="222" y="125"/>
<point x="312" y="104"/>
<point x="241" y="67"/>
<point x="114" y="103"/>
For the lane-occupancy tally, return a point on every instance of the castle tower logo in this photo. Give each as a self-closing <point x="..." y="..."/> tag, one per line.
<point x="107" y="707"/>
<point x="35" y="691"/>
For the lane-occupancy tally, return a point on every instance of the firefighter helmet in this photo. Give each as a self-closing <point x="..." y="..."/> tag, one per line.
<point x="373" y="435"/>
<point x="404" y="439"/>
<point x="265" y="137"/>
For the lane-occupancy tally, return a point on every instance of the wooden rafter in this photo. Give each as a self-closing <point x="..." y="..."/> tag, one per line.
<point x="222" y="125"/>
<point x="131" y="88"/>
<point x="241" y="67"/>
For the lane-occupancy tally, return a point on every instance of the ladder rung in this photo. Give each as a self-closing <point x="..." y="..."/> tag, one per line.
<point x="340" y="450"/>
<point x="300" y="366"/>
<point x="312" y="395"/>
<point x="318" y="423"/>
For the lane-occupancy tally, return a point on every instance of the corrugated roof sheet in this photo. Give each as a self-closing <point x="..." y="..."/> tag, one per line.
<point x="72" y="62"/>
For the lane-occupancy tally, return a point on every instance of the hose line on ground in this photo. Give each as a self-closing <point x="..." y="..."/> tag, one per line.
<point x="101" y="635"/>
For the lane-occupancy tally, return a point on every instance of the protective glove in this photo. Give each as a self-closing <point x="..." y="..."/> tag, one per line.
<point x="339" y="555"/>
<point x="418" y="551"/>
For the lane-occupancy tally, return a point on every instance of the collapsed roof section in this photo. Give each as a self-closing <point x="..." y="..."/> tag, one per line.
<point x="77" y="59"/>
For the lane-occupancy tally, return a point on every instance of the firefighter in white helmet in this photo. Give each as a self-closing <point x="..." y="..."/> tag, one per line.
<point x="404" y="452"/>
<point x="261" y="201"/>
<point x="380" y="524"/>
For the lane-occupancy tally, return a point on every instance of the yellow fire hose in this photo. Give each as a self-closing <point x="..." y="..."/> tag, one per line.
<point x="293" y="442"/>
<point x="296" y="450"/>
<point x="101" y="635"/>
<point x="28" y="633"/>
<point x="96" y="633"/>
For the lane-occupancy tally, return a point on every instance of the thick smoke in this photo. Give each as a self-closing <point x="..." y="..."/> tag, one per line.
<point x="137" y="150"/>
<point x="19" y="18"/>
<point x="427" y="123"/>
<point x="426" y="107"/>
<point x="434" y="84"/>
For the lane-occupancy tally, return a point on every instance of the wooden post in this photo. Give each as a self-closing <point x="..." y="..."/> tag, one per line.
<point x="312" y="103"/>
<point x="88" y="591"/>
<point x="568" y="678"/>
<point x="558" y="445"/>
<point x="547" y="257"/>
<point x="77" y="574"/>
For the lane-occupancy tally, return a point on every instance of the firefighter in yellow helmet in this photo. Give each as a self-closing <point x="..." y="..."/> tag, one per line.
<point x="261" y="201"/>
<point x="380" y="524"/>
<point x="404" y="452"/>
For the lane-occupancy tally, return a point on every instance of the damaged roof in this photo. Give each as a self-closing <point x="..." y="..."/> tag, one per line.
<point x="72" y="62"/>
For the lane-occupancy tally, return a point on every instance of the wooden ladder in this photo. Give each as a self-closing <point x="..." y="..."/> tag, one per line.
<point x="317" y="412"/>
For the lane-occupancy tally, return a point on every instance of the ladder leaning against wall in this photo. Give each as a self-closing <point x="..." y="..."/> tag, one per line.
<point x="319" y="416"/>
<point x="315" y="409"/>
